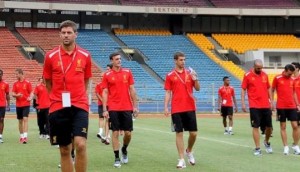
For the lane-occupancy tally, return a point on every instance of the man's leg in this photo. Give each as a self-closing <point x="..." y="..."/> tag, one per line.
<point x="256" y="138"/>
<point x="224" y="122"/>
<point x="1" y="125"/>
<point x="126" y="140"/>
<point x="191" y="140"/>
<point x="295" y="132"/>
<point x="101" y="124"/>
<point x="65" y="158"/>
<point x="40" y="122"/>
<point x="81" y="156"/>
<point x="115" y="143"/>
<point x="283" y="133"/>
<point x="25" y="126"/>
<point x="21" y="126"/>
<point x="180" y="144"/>
<point x="268" y="133"/>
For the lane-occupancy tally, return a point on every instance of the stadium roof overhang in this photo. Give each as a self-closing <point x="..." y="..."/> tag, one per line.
<point x="149" y="9"/>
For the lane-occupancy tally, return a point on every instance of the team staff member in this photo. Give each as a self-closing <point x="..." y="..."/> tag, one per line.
<point x="22" y="91"/>
<point x="120" y="96"/>
<point x="67" y="70"/>
<point x="102" y="122"/>
<point x="43" y="102"/>
<point x="179" y="89"/>
<point x="257" y="85"/>
<point x="287" y="104"/>
<point x="4" y="102"/>
<point x="226" y="96"/>
<point x="297" y="88"/>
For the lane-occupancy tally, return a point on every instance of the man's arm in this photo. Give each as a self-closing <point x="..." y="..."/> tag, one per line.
<point x="235" y="104"/>
<point x="197" y="85"/>
<point x="7" y="102"/>
<point x="219" y="102"/>
<point x="166" y="102"/>
<point x="243" y="100"/>
<point x="133" y="98"/>
<point x="104" y="102"/>
<point x="48" y="83"/>
<point x="87" y="83"/>
<point x="271" y="93"/>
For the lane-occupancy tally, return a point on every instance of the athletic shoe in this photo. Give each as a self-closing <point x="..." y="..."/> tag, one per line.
<point x="21" y="140"/>
<point x="117" y="163"/>
<point x="73" y="160"/>
<point x="257" y="152"/>
<point x="124" y="158"/>
<point x="59" y="165"/>
<point x="230" y="132"/>
<point x="1" y="140"/>
<point x="42" y="136"/>
<point x="99" y="136"/>
<point x="107" y="142"/>
<point x="47" y="137"/>
<point x="181" y="164"/>
<point x="286" y="150"/>
<point x="226" y="132"/>
<point x="296" y="149"/>
<point x="190" y="157"/>
<point x="25" y="140"/>
<point x="268" y="147"/>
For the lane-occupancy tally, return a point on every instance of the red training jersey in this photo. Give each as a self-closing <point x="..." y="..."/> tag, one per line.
<point x="284" y="87"/>
<point x="118" y="83"/>
<point x="42" y="95"/>
<point x="24" y="87"/>
<point x="182" y="91"/>
<point x="71" y="80"/>
<point x="297" y="87"/>
<point x="99" y="91"/>
<point x="257" y="86"/>
<point x="226" y="93"/>
<point x="4" y="90"/>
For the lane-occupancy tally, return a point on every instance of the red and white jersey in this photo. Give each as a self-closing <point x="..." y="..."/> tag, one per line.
<point x="4" y="90"/>
<point x="226" y="93"/>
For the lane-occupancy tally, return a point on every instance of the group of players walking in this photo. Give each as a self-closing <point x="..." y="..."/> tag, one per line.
<point x="62" y="103"/>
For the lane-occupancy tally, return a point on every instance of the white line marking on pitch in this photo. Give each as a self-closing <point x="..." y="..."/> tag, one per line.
<point x="212" y="140"/>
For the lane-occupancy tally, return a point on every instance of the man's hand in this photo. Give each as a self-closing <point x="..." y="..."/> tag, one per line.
<point x="135" y="112"/>
<point x="236" y="109"/>
<point x="8" y="108"/>
<point x="105" y="114"/>
<point x="244" y="108"/>
<point x="167" y="113"/>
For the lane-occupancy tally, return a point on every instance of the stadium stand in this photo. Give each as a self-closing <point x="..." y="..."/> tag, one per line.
<point x="254" y="3"/>
<point x="11" y="59"/>
<point x="166" y="2"/>
<point x="142" y="32"/>
<point x="206" y="46"/>
<point x="100" y="44"/>
<point x="75" y="1"/>
<point x="160" y="51"/>
<point x="241" y="43"/>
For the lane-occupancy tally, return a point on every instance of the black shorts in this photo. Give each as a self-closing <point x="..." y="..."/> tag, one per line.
<point x="225" y="111"/>
<point x="287" y="114"/>
<point x="67" y="123"/>
<point x="120" y="120"/>
<point x="100" y="111"/>
<point x="298" y="114"/>
<point x="22" y="112"/>
<point x="2" y="112"/>
<point x="184" y="120"/>
<point x="260" y="116"/>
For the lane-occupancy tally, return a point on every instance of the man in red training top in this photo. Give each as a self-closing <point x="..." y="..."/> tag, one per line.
<point x="4" y="103"/>
<point x="287" y="106"/>
<point x="257" y="86"/>
<point x="226" y="97"/>
<point x="67" y="70"/>
<point x="179" y="87"/>
<point x="103" y="123"/>
<point x="22" y="91"/>
<point x="120" y="97"/>
<point x="43" y="102"/>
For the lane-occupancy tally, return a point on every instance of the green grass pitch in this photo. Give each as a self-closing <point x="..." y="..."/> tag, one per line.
<point x="153" y="149"/>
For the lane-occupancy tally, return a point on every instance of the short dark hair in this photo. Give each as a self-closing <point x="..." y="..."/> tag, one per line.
<point x="289" y="67"/>
<point x="178" y="54"/>
<point x="296" y="64"/>
<point x="225" y="77"/>
<point x="68" y="23"/>
<point x="109" y="65"/>
<point x="113" y="55"/>
<point x="20" y="71"/>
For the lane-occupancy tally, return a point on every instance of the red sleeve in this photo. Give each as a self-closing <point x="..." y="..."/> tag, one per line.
<point x="104" y="81"/>
<point x="7" y="89"/>
<point x="245" y="82"/>
<point x="88" y="68"/>
<point x="274" y="84"/>
<point x="47" y="68"/>
<point x="168" y="85"/>
<point x="130" y="79"/>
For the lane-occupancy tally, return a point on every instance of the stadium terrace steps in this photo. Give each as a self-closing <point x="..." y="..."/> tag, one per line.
<point x="206" y="46"/>
<point x="157" y="32"/>
<point x="160" y="51"/>
<point x="11" y="59"/>
<point x="101" y="45"/>
<point x="256" y="41"/>
<point x="254" y="3"/>
<point x="197" y="3"/>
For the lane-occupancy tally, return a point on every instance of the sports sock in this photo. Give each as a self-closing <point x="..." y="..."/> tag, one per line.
<point x="117" y="154"/>
<point x="0" y="135"/>
<point x="21" y="135"/>
<point x="230" y="128"/>
<point x="25" y="134"/>
<point x="124" y="149"/>
<point x="100" y="131"/>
